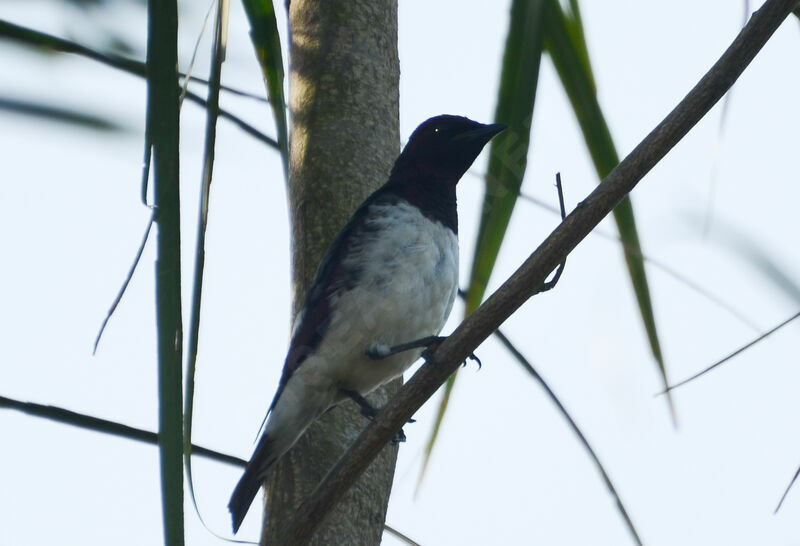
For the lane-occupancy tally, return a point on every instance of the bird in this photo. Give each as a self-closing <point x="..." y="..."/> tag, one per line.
<point x="382" y="292"/>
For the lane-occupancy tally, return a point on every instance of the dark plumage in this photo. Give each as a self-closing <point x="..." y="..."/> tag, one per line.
<point x="389" y="277"/>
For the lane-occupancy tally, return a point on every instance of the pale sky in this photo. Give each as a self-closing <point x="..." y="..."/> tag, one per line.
<point x="507" y="469"/>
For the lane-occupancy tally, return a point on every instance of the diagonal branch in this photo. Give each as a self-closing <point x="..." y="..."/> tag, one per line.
<point x="533" y="273"/>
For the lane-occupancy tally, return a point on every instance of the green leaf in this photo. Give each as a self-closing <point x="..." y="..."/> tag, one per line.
<point x="536" y="25"/>
<point x="509" y="150"/>
<point x="266" y="41"/>
<point x="163" y="136"/>
<point x="212" y="114"/>
<point x="564" y="41"/>
<point x="507" y="159"/>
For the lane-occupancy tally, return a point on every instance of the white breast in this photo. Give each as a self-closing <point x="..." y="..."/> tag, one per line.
<point x="408" y="279"/>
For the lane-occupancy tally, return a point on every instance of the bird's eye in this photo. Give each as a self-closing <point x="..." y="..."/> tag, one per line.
<point x="436" y="130"/>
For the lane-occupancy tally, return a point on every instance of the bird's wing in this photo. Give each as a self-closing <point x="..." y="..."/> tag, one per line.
<point x="332" y="276"/>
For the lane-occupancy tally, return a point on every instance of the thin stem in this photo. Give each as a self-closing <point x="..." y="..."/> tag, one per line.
<point x="733" y="354"/>
<point x="104" y="426"/>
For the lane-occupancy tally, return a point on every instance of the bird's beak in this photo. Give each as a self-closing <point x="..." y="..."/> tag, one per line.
<point x="482" y="134"/>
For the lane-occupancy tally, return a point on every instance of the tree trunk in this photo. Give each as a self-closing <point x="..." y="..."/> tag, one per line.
<point x="345" y="136"/>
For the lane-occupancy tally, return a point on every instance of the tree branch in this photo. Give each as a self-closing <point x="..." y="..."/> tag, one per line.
<point x="533" y="273"/>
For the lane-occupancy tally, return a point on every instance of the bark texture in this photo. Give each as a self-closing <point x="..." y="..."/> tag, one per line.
<point x="344" y="75"/>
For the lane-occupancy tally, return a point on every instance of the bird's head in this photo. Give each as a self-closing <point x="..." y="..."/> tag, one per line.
<point x="445" y="146"/>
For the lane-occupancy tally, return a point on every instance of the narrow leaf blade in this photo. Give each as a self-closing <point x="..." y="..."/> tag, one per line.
<point x="212" y="114"/>
<point x="163" y="129"/>
<point x="507" y="161"/>
<point x="565" y="42"/>
<point x="267" y="44"/>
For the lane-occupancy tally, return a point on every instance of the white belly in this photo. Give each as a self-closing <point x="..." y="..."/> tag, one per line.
<point x="405" y="291"/>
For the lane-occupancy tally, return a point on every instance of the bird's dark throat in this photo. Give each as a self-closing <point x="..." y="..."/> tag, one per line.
<point x="435" y="197"/>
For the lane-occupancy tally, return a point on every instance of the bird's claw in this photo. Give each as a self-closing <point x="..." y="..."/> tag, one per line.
<point x="427" y="354"/>
<point x="399" y="437"/>
<point x="474" y="358"/>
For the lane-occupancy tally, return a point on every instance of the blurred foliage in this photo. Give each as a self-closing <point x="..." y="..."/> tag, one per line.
<point x="51" y="113"/>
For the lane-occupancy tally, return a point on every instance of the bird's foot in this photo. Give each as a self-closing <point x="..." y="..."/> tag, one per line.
<point x="427" y="354"/>
<point x="381" y="350"/>
<point x="367" y="410"/>
<point x="399" y="437"/>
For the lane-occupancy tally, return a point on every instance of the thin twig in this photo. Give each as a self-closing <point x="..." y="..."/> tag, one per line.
<point x="397" y="534"/>
<point x="549" y="285"/>
<point x="187" y="76"/>
<point x="96" y="424"/>
<point x="516" y="290"/>
<point x="733" y="354"/>
<point x="791" y="483"/>
<point x="240" y="123"/>
<point x="127" y="280"/>
<point x="230" y="90"/>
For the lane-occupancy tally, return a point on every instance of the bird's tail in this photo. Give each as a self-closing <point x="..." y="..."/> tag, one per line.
<point x="250" y="482"/>
<point x="294" y="410"/>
